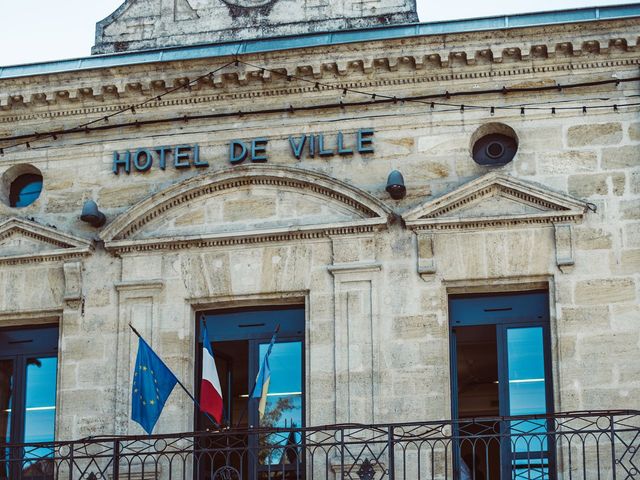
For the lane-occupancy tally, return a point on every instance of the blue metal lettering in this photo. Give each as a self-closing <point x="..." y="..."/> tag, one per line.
<point x="297" y="145"/>
<point x="259" y="150"/>
<point x="162" y="151"/>
<point x="233" y="148"/>
<point x="182" y="152"/>
<point x="145" y="155"/>
<point x="364" y="140"/>
<point x="341" y="149"/>
<point x="321" y="150"/>
<point x="196" y="157"/>
<point x="312" y="146"/>
<point x="119" y="162"/>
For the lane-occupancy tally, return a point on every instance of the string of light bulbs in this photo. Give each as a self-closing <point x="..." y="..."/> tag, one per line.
<point x="373" y="98"/>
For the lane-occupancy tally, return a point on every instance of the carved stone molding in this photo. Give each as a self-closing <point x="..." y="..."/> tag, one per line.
<point x="491" y="202"/>
<point x="29" y="317"/>
<point x="426" y="257"/>
<point x="367" y="212"/>
<point x="372" y="65"/>
<point x="494" y="201"/>
<point x="25" y="241"/>
<point x="564" y="245"/>
<point x="73" y="284"/>
<point x="77" y="103"/>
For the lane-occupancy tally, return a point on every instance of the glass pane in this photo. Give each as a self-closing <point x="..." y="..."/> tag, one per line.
<point x="25" y="190"/>
<point x="284" y="403"/>
<point x="531" y="469"/>
<point x="526" y="371"/>
<point x="527" y="396"/>
<point x="6" y="393"/>
<point x="40" y="412"/>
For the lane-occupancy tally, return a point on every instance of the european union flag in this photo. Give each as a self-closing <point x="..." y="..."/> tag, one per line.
<point x="152" y="385"/>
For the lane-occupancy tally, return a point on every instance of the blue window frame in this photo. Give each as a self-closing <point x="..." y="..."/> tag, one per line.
<point x="28" y="371"/>
<point x="501" y="366"/>
<point x="240" y="339"/>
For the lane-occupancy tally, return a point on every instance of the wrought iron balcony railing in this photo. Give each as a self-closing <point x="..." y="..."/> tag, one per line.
<point x="574" y="446"/>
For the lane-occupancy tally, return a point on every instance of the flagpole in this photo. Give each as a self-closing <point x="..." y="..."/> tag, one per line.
<point x="193" y="399"/>
<point x="255" y="382"/>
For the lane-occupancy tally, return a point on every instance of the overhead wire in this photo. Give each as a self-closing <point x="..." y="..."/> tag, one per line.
<point x="374" y="98"/>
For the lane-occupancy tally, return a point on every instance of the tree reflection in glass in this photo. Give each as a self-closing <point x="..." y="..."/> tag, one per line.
<point x="284" y="404"/>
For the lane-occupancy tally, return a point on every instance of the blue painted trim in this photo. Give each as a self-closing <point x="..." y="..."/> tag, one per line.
<point x="322" y="39"/>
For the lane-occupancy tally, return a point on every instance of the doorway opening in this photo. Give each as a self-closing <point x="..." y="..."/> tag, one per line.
<point x="240" y="340"/>
<point x="501" y="367"/>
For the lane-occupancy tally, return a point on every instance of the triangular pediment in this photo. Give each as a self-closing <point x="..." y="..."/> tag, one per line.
<point x="255" y="203"/>
<point x="496" y="200"/>
<point x="26" y="241"/>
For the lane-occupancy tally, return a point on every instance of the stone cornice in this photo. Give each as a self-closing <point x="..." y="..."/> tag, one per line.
<point x="51" y="256"/>
<point x="242" y="238"/>
<point x="65" y="246"/>
<point x="394" y="63"/>
<point x="72" y="105"/>
<point x="447" y="212"/>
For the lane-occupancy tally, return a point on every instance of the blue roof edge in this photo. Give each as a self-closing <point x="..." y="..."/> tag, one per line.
<point x="319" y="39"/>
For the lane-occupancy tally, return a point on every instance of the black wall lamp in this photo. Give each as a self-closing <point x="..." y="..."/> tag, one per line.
<point x="395" y="185"/>
<point x="92" y="215"/>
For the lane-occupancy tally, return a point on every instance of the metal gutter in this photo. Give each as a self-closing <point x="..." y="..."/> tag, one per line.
<point x="323" y="39"/>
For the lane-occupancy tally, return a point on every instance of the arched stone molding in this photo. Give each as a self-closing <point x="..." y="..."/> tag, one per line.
<point x="332" y="208"/>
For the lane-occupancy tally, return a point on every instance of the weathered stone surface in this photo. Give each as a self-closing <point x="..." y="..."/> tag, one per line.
<point x="621" y="157"/>
<point x="605" y="291"/>
<point x="250" y="208"/>
<point x="634" y="179"/>
<point x="625" y="318"/>
<point x="579" y="317"/>
<point x="587" y="185"/>
<point x="377" y="332"/>
<point x="631" y="234"/>
<point x="413" y="327"/>
<point x="145" y="24"/>
<point x="572" y="161"/>
<point x="630" y="209"/>
<point x="592" y="238"/>
<point x="627" y="263"/>
<point x="594" y="134"/>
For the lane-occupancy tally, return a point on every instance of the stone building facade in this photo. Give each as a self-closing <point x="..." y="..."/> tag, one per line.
<point x="258" y="223"/>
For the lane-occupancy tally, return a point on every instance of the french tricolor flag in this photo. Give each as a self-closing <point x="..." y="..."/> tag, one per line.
<point x="210" y="391"/>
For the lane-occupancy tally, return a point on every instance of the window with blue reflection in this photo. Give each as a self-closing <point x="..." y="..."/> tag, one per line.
<point x="40" y="408"/>
<point x="28" y="366"/>
<point x="501" y="345"/>
<point x="240" y="339"/>
<point x="25" y="190"/>
<point x="284" y="400"/>
<point x="6" y="395"/>
<point x="525" y="350"/>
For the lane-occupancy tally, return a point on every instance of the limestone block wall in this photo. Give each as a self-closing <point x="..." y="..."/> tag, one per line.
<point x="377" y="333"/>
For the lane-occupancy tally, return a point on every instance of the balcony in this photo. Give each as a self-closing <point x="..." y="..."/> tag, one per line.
<point x="574" y="446"/>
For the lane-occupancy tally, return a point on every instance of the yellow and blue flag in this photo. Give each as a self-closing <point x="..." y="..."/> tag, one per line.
<point x="152" y="385"/>
<point x="261" y="390"/>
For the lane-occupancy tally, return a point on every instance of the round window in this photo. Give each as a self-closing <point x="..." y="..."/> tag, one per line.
<point x="25" y="190"/>
<point x="21" y="185"/>
<point x="494" y="145"/>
